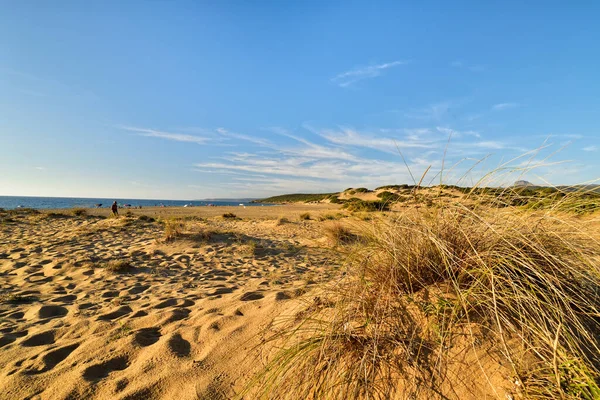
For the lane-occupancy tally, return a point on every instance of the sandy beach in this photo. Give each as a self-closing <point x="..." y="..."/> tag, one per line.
<point x="178" y="319"/>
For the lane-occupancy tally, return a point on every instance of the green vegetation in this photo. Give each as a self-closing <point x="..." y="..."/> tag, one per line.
<point x="389" y="197"/>
<point x="295" y="198"/>
<point x="355" y="204"/>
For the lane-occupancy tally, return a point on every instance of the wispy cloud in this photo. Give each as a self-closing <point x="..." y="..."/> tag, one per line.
<point x="590" y="148"/>
<point x="386" y="143"/>
<point x="178" y="137"/>
<point x="247" y="138"/>
<point x="504" y="106"/>
<point x="456" y="133"/>
<point x="347" y="78"/>
<point x="40" y="168"/>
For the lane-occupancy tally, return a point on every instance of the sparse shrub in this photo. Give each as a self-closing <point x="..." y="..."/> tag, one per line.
<point x="145" y="218"/>
<point x="335" y="200"/>
<point x="514" y="293"/>
<point x="174" y="229"/>
<point x="79" y="212"/>
<point x="363" y="205"/>
<point x="229" y="215"/>
<point x="247" y="249"/>
<point x="304" y="216"/>
<point x="362" y="190"/>
<point x="339" y="234"/>
<point x="282" y="221"/>
<point x="129" y="214"/>
<point x="118" y="266"/>
<point x="389" y="197"/>
<point x="329" y="216"/>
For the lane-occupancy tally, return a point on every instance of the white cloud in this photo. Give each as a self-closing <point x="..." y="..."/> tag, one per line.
<point x="590" y="148"/>
<point x="251" y="139"/>
<point x="387" y="144"/>
<point x="504" y="106"/>
<point x="347" y="78"/>
<point x="167" y="135"/>
<point x="457" y="134"/>
<point x="41" y="168"/>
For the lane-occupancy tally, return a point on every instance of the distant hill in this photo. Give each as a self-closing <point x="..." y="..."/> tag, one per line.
<point x="523" y="183"/>
<point x="295" y="198"/>
<point x="244" y="200"/>
<point x="340" y="197"/>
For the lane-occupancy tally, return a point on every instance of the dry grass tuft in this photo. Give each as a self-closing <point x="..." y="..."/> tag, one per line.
<point x="304" y="216"/>
<point x="339" y="234"/>
<point x="451" y="303"/>
<point x="230" y="215"/>
<point x="79" y="212"/>
<point x="282" y="221"/>
<point x="118" y="266"/>
<point x="174" y="228"/>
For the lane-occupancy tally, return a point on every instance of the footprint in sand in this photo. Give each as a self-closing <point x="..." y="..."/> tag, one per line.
<point x="44" y="312"/>
<point x="282" y="296"/>
<point x="65" y="299"/>
<point x="54" y="357"/>
<point x="110" y="294"/>
<point x="138" y="289"/>
<point x="119" y="312"/>
<point x="249" y="296"/>
<point x="174" y="303"/>
<point x="222" y="290"/>
<point x="39" y="339"/>
<point x="102" y="370"/>
<point x="178" y="314"/>
<point x="147" y="336"/>
<point x="179" y="346"/>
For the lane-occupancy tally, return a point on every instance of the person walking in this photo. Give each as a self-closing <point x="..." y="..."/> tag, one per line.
<point x="115" y="209"/>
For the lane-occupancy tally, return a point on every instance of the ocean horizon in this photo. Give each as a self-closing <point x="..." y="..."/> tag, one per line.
<point x="14" y="202"/>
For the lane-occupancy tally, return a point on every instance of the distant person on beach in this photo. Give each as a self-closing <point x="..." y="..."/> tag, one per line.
<point x="115" y="209"/>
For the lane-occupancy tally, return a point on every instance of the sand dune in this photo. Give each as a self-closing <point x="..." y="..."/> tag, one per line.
<point x="180" y="320"/>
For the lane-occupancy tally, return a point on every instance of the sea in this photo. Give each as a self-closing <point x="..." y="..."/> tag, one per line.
<point x="13" y="202"/>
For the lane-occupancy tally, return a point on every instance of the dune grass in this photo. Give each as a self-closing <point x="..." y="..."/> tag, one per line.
<point x="174" y="228"/>
<point x="448" y="302"/>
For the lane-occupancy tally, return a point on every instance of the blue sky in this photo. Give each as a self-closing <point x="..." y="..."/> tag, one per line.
<point x="188" y="100"/>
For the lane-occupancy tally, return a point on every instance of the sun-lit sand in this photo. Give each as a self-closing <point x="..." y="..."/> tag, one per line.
<point x="181" y="321"/>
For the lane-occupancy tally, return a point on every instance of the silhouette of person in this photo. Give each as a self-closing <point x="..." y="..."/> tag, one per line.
<point x="115" y="208"/>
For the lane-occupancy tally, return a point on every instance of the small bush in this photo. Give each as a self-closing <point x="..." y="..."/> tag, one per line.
<point x="329" y="217"/>
<point x="118" y="266"/>
<point x="247" y="249"/>
<point x="229" y="215"/>
<point x="389" y="197"/>
<point x="363" y="205"/>
<point x="174" y="229"/>
<point x="304" y="216"/>
<point x="145" y="218"/>
<point x="282" y="221"/>
<point x="339" y="235"/>
<point x="79" y="212"/>
<point x="129" y="214"/>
